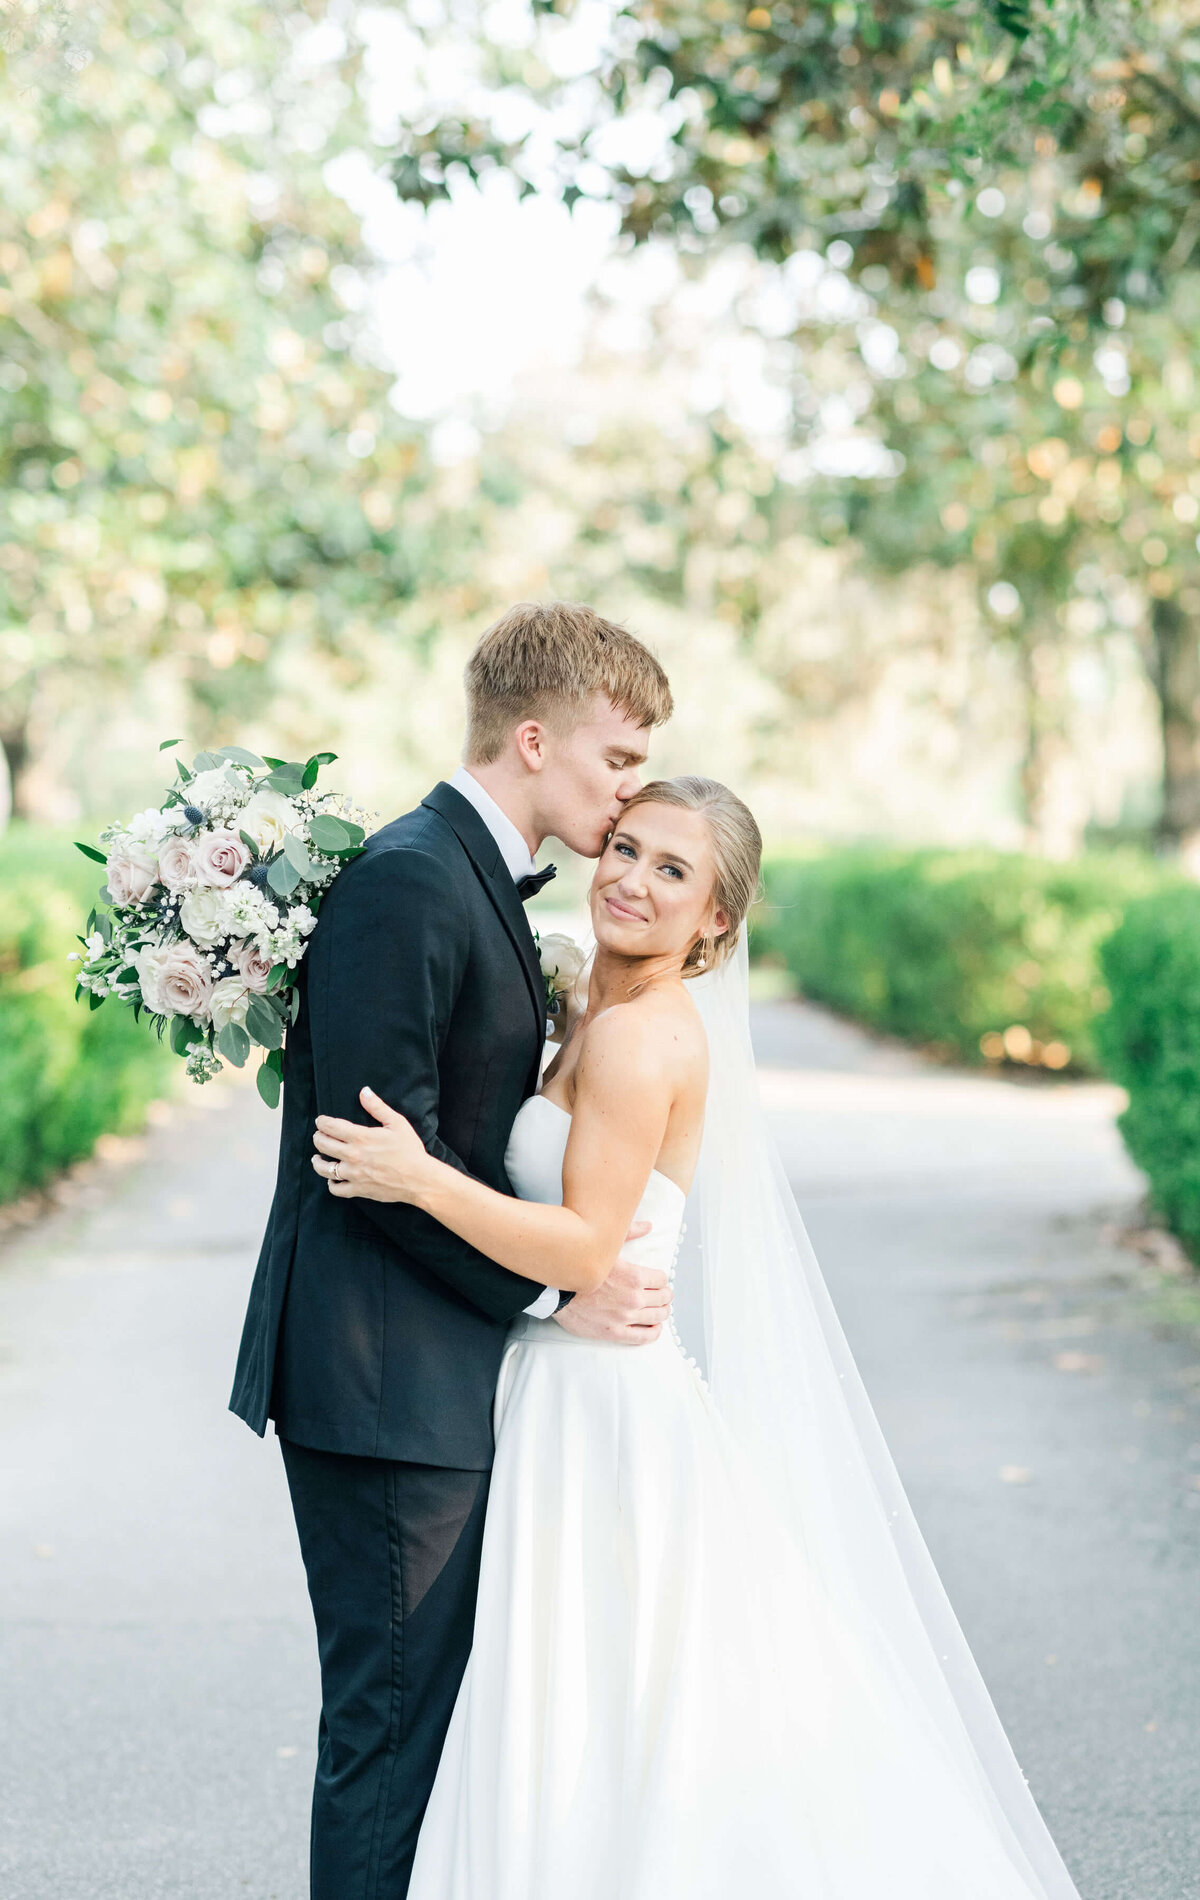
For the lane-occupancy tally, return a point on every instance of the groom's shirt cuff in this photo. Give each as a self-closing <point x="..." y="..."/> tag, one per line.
<point x="545" y="1305"/>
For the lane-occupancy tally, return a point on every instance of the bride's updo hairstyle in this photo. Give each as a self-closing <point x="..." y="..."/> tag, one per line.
<point x="737" y="848"/>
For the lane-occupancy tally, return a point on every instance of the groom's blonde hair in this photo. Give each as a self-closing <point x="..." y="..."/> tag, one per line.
<point x="546" y="660"/>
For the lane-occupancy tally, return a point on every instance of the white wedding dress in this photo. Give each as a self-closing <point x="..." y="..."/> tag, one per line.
<point x="666" y="1700"/>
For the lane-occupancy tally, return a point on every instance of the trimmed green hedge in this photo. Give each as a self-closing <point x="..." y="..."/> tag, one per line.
<point x="1150" y="1041"/>
<point x="945" y="948"/>
<point x="67" y="1074"/>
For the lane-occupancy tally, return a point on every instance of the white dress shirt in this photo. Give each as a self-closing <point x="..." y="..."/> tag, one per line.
<point x="518" y="860"/>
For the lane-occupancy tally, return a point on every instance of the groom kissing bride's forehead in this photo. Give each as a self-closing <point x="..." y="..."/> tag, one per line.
<point x="374" y="1336"/>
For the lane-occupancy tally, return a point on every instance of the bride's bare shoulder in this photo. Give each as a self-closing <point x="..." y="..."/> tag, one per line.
<point x="658" y="1034"/>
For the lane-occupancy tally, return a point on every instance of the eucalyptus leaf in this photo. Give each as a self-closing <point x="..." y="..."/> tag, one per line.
<point x="294" y="1004"/>
<point x="278" y="973"/>
<point x="323" y="758"/>
<point x="283" y="877"/>
<point x="310" y="775"/>
<point x="104" y="926"/>
<point x="207" y="762"/>
<point x="295" y="853"/>
<point x="288" y="780"/>
<point x="274" y="762"/>
<point x="269" y="1084"/>
<point x="234" y="1044"/>
<point x="89" y="851"/>
<point x="183" y="1034"/>
<point x="263" y="1023"/>
<point x="329" y="834"/>
<point x="238" y="755"/>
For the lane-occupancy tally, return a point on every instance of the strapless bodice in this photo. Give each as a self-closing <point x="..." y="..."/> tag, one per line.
<point x="533" y="1162"/>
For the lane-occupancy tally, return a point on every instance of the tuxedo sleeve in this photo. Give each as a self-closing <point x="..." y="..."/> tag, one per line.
<point x="385" y="967"/>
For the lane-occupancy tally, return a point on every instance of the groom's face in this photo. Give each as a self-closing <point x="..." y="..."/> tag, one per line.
<point x="590" y="773"/>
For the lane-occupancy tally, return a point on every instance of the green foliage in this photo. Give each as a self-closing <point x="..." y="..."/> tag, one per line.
<point x="67" y="1075"/>
<point x="1150" y="1042"/>
<point x="948" y="948"/>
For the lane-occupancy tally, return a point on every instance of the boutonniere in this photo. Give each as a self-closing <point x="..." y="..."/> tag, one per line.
<point x="562" y="963"/>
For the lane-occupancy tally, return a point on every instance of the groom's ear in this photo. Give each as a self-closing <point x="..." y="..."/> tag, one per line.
<point x="530" y="740"/>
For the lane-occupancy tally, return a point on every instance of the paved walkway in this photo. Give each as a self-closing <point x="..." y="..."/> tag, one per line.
<point x="159" y="1686"/>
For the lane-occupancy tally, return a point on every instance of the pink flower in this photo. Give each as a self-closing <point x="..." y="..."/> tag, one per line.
<point x="175" y="980"/>
<point x="251" y="965"/>
<point x="177" y="864"/>
<point x="132" y="873"/>
<point x="220" y="856"/>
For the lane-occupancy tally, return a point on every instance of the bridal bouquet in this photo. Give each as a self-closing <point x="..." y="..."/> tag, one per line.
<point x="210" y="899"/>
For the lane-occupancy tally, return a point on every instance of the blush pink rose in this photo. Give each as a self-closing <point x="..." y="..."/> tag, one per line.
<point x="251" y="965"/>
<point x="132" y="873"/>
<point x="184" y="981"/>
<point x="220" y="857"/>
<point x="177" y="864"/>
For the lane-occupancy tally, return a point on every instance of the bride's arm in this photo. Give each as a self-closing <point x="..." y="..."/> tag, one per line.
<point x="623" y="1099"/>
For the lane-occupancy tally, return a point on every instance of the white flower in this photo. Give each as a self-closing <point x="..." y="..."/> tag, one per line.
<point x="220" y="856"/>
<point x="229" y="1001"/>
<point x="251" y="965"/>
<point x="95" y="946"/>
<point x="201" y="1062"/>
<point x="150" y="826"/>
<point x="132" y="872"/>
<point x="562" y="961"/>
<point x="212" y="790"/>
<point x="205" y="915"/>
<point x="267" y="818"/>
<point x="177" y="864"/>
<point x="174" y="979"/>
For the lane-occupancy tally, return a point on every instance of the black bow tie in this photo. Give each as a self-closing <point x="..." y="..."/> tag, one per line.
<point x="528" y="887"/>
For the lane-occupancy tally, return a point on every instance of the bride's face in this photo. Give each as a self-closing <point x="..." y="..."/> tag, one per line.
<point x="652" y="895"/>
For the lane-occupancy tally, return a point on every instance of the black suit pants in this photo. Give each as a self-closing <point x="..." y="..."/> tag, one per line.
<point x="392" y="1556"/>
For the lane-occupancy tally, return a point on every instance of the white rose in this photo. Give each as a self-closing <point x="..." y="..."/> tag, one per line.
<point x="267" y="818"/>
<point x="251" y="965"/>
<point x="562" y="960"/>
<point x="132" y="872"/>
<point x="177" y="864"/>
<point x="214" y="787"/>
<point x="220" y="857"/>
<point x="204" y="914"/>
<point x="229" y="1002"/>
<point x="175" y="980"/>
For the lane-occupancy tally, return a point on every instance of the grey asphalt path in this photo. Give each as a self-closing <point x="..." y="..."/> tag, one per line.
<point x="158" y="1687"/>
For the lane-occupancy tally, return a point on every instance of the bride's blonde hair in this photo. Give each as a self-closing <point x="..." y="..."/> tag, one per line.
<point x="737" y="848"/>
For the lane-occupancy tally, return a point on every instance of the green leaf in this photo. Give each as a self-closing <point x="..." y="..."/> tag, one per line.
<point x="357" y="834"/>
<point x="94" y="1001"/>
<point x="263" y="1023"/>
<point x="234" y="1044"/>
<point x="207" y="762"/>
<point x="184" y="1033"/>
<point x="250" y="845"/>
<point x="294" y="1004"/>
<point x="323" y="758"/>
<point x="283" y="877"/>
<point x="269" y="1083"/>
<point x="295" y="853"/>
<point x="104" y="926"/>
<point x="274" y="762"/>
<point x="238" y="755"/>
<point x="166" y="744"/>
<point x="89" y="851"/>
<point x="276" y="976"/>
<point x="310" y="775"/>
<point x="288" y="780"/>
<point x="329" y="834"/>
<point x="183" y="772"/>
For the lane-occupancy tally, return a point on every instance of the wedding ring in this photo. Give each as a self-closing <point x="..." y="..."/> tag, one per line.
<point x="335" y="1172"/>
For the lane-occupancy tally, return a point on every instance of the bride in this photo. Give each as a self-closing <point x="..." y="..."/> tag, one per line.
<point x="711" y="1653"/>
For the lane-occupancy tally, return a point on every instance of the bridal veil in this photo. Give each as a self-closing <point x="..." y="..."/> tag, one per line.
<point x="783" y="1379"/>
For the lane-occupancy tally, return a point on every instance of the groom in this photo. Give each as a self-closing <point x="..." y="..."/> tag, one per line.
<point x="374" y="1336"/>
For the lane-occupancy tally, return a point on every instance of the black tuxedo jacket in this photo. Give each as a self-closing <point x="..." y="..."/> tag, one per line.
<point x="371" y="1329"/>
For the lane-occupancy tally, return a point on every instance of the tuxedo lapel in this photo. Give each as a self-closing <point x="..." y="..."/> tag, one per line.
<point x="484" y="853"/>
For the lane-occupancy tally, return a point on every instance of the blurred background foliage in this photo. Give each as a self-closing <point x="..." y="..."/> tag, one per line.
<point x="882" y="427"/>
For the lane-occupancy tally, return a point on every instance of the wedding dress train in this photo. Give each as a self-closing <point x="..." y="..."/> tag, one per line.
<point x="668" y="1699"/>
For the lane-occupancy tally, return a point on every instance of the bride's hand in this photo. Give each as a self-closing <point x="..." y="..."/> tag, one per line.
<point x="387" y="1163"/>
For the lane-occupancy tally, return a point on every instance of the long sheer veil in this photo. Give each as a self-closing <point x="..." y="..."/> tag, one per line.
<point x="784" y="1381"/>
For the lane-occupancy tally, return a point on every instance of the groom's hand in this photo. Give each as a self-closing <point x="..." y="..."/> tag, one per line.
<point x="631" y="1307"/>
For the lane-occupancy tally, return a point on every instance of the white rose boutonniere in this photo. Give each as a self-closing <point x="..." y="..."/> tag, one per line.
<point x="562" y="963"/>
